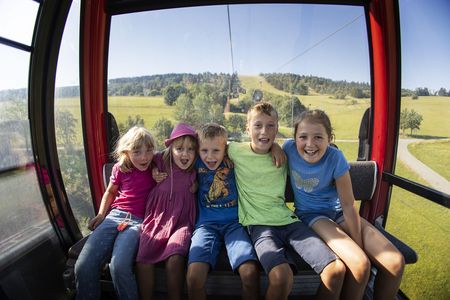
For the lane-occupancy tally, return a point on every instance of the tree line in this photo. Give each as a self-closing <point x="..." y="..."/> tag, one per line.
<point x="301" y="85"/>
<point x="173" y="84"/>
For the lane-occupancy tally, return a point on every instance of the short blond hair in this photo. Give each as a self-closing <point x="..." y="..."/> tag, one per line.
<point x="262" y="107"/>
<point x="212" y="130"/>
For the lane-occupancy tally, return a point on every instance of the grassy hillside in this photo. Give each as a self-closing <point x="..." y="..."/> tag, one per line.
<point x="341" y="112"/>
<point x="436" y="115"/>
<point x="258" y="82"/>
<point x="149" y="108"/>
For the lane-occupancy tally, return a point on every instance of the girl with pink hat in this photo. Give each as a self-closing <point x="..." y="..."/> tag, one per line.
<point x="170" y="214"/>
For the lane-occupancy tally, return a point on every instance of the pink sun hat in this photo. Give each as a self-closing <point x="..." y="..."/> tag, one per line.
<point x="180" y="129"/>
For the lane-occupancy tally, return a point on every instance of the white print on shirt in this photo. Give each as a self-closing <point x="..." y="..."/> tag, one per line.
<point x="306" y="184"/>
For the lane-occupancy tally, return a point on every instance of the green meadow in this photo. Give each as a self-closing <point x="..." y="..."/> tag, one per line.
<point x="433" y="154"/>
<point x="436" y="115"/>
<point x="420" y="223"/>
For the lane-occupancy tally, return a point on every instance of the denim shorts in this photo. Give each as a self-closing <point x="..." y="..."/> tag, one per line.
<point x="310" y="217"/>
<point x="208" y="239"/>
<point x="274" y="243"/>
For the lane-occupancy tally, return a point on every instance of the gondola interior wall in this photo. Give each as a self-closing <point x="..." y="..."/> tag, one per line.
<point x="75" y="74"/>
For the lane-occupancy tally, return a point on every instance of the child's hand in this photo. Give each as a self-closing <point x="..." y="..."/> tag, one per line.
<point x="194" y="187"/>
<point x="94" y="222"/>
<point x="158" y="176"/>
<point x="278" y="155"/>
<point x="228" y="162"/>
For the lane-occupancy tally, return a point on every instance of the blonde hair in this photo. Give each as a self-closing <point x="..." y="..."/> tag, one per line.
<point x="262" y="107"/>
<point x="315" y="116"/>
<point x="212" y="130"/>
<point x="134" y="138"/>
<point x="167" y="153"/>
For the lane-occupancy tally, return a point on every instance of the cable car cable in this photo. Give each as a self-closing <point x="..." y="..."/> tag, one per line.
<point x="319" y="42"/>
<point x="231" y="54"/>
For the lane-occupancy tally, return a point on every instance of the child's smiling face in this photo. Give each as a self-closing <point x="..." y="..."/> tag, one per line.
<point x="311" y="141"/>
<point x="212" y="151"/>
<point x="262" y="129"/>
<point x="183" y="152"/>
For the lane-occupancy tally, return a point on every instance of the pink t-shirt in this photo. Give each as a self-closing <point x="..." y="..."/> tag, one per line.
<point x="134" y="188"/>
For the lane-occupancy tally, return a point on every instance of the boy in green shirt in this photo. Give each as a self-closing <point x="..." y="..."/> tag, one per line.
<point x="273" y="227"/>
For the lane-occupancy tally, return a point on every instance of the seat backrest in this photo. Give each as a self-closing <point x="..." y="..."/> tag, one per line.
<point x="112" y="133"/>
<point x="364" y="136"/>
<point x="364" y="181"/>
<point x="107" y="169"/>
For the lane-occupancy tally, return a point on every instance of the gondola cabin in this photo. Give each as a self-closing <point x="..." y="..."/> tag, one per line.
<point x="75" y="75"/>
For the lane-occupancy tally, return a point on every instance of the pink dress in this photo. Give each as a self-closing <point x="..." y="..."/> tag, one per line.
<point x="169" y="216"/>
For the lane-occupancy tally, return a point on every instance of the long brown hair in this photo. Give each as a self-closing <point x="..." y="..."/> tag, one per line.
<point x="315" y="116"/>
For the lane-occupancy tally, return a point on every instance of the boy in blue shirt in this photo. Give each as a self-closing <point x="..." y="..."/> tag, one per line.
<point x="217" y="222"/>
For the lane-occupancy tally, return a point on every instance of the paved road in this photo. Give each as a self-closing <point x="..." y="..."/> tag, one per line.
<point x="434" y="179"/>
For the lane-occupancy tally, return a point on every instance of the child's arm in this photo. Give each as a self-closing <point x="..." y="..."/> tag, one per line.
<point x="227" y="160"/>
<point x="278" y="155"/>
<point x="107" y="199"/>
<point x="194" y="187"/>
<point x="158" y="176"/>
<point x="352" y="219"/>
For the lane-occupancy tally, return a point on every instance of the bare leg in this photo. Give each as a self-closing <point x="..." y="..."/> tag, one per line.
<point x="175" y="271"/>
<point x="357" y="262"/>
<point x="332" y="278"/>
<point x="197" y="274"/>
<point x="389" y="261"/>
<point x="281" y="280"/>
<point x="249" y="273"/>
<point x="145" y="274"/>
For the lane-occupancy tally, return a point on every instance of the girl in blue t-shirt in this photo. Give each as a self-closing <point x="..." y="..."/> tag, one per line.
<point x="320" y="179"/>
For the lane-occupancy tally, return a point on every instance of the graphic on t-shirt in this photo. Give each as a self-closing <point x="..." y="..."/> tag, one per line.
<point x="219" y="186"/>
<point x="306" y="184"/>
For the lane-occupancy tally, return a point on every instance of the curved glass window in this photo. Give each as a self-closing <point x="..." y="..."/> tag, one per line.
<point x="210" y="63"/>
<point x="425" y="102"/>
<point x="69" y="136"/>
<point x="15" y="143"/>
<point x="17" y="20"/>
<point x="19" y="187"/>
<point x="423" y="154"/>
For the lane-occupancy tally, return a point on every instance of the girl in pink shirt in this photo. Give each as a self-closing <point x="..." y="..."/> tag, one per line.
<point x="116" y="227"/>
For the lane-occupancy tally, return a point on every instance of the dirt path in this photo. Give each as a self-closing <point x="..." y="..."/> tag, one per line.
<point x="434" y="179"/>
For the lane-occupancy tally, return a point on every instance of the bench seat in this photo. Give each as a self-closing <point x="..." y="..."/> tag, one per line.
<point x="222" y="281"/>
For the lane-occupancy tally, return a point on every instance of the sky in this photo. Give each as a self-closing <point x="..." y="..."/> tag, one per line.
<point x="264" y="38"/>
<point x="325" y="41"/>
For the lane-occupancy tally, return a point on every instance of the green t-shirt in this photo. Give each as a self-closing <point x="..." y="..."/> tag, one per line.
<point x="260" y="186"/>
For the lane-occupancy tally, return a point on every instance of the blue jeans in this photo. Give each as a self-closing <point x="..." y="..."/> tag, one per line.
<point x="107" y="242"/>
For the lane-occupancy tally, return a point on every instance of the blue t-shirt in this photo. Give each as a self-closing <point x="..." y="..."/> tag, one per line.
<point x="314" y="184"/>
<point x="217" y="194"/>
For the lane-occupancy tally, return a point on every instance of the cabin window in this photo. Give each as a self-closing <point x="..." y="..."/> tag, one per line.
<point x="23" y="216"/>
<point x="423" y="154"/>
<point x="17" y="20"/>
<point x="210" y="63"/>
<point x="69" y="136"/>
